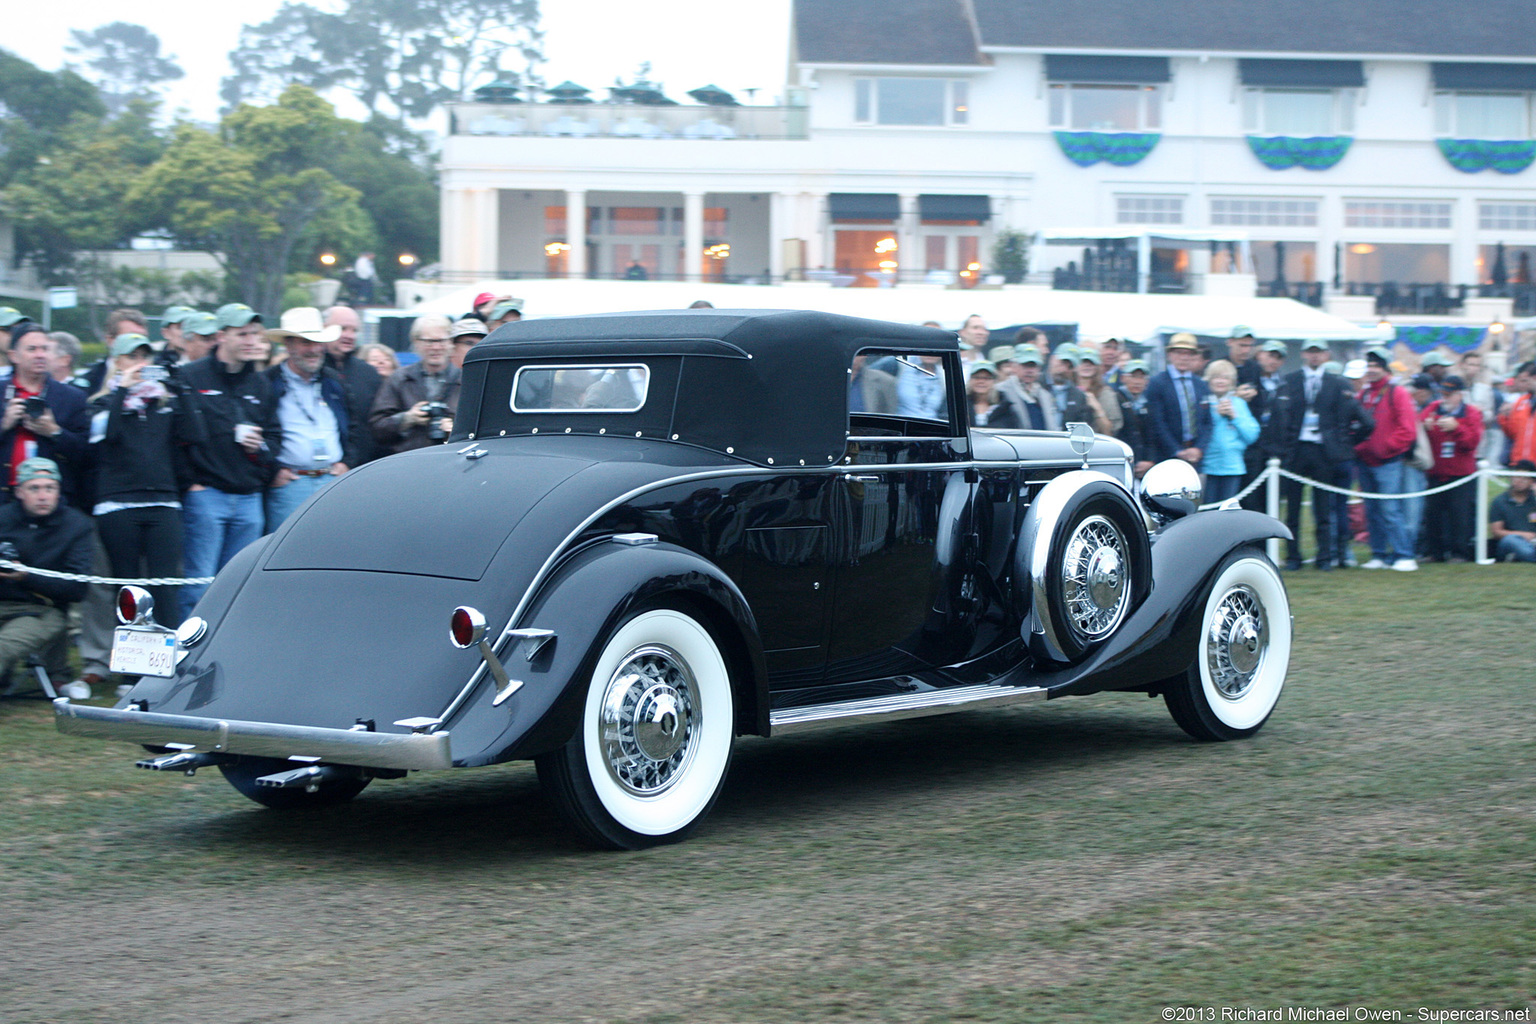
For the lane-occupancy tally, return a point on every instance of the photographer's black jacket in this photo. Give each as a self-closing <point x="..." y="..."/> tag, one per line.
<point x="67" y="448"/>
<point x="140" y="456"/>
<point x="63" y="540"/>
<point x="227" y="399"/>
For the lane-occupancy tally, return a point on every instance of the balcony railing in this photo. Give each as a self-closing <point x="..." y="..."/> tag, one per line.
<point x="628" y="121"/>
<point x="1309" y="292"/>
<point x="1394" y="298"/>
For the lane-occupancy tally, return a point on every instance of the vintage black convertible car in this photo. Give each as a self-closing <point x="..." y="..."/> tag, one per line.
<point x="653" y="532"/>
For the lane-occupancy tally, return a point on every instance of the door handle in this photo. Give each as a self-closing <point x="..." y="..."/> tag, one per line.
<point x="862" y="478"/>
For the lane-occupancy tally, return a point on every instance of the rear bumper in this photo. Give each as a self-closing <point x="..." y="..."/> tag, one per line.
<point x="258" y="739"/>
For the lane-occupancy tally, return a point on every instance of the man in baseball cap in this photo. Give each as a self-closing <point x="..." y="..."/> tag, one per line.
<point x="466" y="335"/>
<point x="46" y="534"/>
<point x="236" y="314"/>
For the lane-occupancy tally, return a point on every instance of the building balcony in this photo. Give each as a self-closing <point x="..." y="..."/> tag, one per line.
<point x="628" y="121"/>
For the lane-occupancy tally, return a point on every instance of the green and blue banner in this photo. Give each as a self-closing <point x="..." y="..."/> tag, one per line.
<point x="1507" y="156"/>
<point x="1279" y="152"/>
<point x="1119" y="148"/>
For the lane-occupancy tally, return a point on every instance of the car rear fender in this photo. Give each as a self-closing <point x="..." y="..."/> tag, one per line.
<point x="1160" y="637"/>
<point x="583" y="601"/>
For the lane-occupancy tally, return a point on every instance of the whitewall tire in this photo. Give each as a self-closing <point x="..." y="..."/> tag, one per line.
<point x="653" y="745"/>
<point x="1242" y="656"/>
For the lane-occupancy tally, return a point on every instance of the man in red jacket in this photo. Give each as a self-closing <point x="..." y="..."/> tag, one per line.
<point x="1455" y="428"/>
<point x="1381" y="457"/>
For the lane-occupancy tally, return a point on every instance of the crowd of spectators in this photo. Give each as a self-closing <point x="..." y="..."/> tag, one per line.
<point x="1371" y="425"/>
<point x="167" y="457"/>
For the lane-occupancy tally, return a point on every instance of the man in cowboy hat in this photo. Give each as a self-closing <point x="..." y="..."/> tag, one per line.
<point x="320" y="438"/>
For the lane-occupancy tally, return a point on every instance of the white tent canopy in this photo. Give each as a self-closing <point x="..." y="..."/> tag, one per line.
<point x="1098" y="315"/>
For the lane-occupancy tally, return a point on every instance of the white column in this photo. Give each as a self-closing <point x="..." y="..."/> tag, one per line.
<point x="693" y="234"/>
<point x="1143" y="263"/>
<point x="576" y="232"/>
<point x="458" y="232"/>
<point x="909" y="260"/>
<point x="776" y="234"/>
<point x="488" y="231"/>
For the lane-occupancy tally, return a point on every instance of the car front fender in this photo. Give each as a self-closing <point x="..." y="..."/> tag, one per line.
<point x="583" y="601"/>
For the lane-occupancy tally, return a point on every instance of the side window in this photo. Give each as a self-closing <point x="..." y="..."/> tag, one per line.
<point x="899" y="394"/>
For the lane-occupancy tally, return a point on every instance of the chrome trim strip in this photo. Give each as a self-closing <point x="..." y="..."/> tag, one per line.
<point x="713" y="474"/>
<point x="901" y="705"/>
<point x="258" y="739"/>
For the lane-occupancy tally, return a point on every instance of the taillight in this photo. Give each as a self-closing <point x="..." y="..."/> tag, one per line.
<point x="466" y="627"/>
<point x="134" y="605"/>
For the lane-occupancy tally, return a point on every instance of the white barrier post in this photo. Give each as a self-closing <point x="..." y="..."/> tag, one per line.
<point x="1272" y="506"/>
<point x="1480" y="532"/>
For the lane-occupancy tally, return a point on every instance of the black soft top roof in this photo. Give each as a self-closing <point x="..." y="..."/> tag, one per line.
<point x="770" y="386"/>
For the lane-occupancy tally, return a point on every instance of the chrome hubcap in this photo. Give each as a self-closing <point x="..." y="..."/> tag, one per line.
<point x="649" y="718"/>
<point x="1237" y="641"/>
<point x="1094" y="578"/>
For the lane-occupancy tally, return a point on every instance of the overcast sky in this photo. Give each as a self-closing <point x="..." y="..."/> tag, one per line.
<point x="689" y="43"/>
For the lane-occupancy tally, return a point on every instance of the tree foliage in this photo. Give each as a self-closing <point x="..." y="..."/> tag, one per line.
<point x="124" y="60"/>
<point x="401" y="58"/>
<point x="35" y="106"/>
<point x="253" y="191"/>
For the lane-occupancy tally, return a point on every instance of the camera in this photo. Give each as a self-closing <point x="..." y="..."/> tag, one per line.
<point x="34" y="407"/>
<point x="8" y="551"/>
<point x="435" y="412"/>
<point x="155" y="372"/>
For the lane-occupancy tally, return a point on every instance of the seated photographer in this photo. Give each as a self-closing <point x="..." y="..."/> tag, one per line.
<point x="139" y="418"/>
<point x="39" y="530"/>
<point x="42" y="418"/>
<point x="415" y="406"/>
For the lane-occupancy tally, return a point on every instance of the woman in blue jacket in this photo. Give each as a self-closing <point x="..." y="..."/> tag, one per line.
<point x="1234" y="428"/>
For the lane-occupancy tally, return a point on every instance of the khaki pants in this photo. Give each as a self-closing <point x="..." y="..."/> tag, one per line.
<point x="27" y="628"/>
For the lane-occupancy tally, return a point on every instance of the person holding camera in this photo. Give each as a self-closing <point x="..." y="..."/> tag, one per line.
<point x="415" y="406"/>
<point x="39" y="531"/>
<point x="140" y="417"/>
<point x="42" y="417"/>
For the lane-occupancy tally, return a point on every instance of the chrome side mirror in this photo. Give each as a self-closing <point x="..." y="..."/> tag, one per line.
<point x="1170" y="490"/>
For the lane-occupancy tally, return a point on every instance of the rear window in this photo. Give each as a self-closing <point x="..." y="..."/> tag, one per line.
<point x="610" y="388"/>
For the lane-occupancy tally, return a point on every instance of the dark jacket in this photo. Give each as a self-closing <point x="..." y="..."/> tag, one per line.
<point x="138" y="455"/>
<point x="1135" y="431"/>
<point x="406" y="387"/>
<point x="227" y="399"/>
<point x="362" y="382"/>
<point x="1338" y="416"/>
<point x="1165" y="417"/>
<point x="67" y="448"/>
<point x="1004" y="415"/>
<point x="1074" y="409"/>
<point x="63" y="540"/>
<point x="334" y="392"/>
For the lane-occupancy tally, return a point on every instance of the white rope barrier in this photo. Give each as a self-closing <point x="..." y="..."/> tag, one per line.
<point x="75" y="577"/>
<point x="1271" y="475"/>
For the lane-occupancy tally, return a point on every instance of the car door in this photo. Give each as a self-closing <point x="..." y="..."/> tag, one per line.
<point x="905" y="488"/>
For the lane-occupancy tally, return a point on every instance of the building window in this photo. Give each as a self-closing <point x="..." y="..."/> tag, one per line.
<point x="1106" y="108"/>
<point x="911" y="101"/>
<point x="1300" y="113"/>
<point x="1236" y="211"/>
<point x="1506" y="216"/>
<point x="1483" y="115"/>
<point x="1149" y="209"/>
<point x="1387" y="213"/>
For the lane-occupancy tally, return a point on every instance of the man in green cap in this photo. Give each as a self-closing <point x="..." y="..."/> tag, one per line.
<point x="171" y="324"/>
<point x="39" y="531"/>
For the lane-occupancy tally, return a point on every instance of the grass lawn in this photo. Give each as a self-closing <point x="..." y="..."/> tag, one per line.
<point x="1373" y="847"/>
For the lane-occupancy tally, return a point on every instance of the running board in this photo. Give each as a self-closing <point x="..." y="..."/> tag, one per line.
<point x="902" y="705"/>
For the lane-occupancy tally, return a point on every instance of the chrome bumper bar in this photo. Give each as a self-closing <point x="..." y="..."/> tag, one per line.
<point x="257" y="739"/>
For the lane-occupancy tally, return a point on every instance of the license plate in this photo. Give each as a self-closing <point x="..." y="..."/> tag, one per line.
<point x="142" y="652"/>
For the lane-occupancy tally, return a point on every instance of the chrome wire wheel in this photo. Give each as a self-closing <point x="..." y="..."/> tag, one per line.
<point x="1095" y="584"/>
<point x="1237" y="643"/>
<point x="649" y="718"/>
